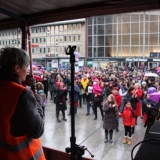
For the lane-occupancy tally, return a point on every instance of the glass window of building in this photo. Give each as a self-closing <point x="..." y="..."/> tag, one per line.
<point x="32" y="40"/>
<point x="69" y="27"/>
<point x="44" y="40"/>
<point x="52" y="50"/>
<point x="89" y="51"/>
<point x="74" y="38"/>
<point x="32" y="30"/>
<point x="109" y="19"/>
<point x="52" y="41"/>
<point x="40" y="40"/>
<point x="64" y="38"/>
<point x="61" y="28"/>
<point x="48" y="31"/>
<point x="48" y="50"/>
<point x="79" y="37"/>
<point x="40" y="50"/>
<point x="36" y="40"/>
<point x="79" y="26"/>
<point x="52" y="30"/>
<point x="32" y="50"/>
<point x="65" y="28"/>
<point x="56" y="38"/>
<point x="44" y="29"/>
<point x="48" y="41"/>
<point x="90" y="41"/>
<point x="69" y="38"/>
<point x="40" y="29"/>
<point x="101" y="20"/>
<point x="44" y="50"/>
<point x="89" y="30"/>
<point x="74" y="27"/>
<point x="61" y="49"/>
<point x="56" y="49"/>
<point x="36" y="29"/>
<point x="79" y="48"/>
<point x="60" y="38"/>
<point x="56" y="29"/>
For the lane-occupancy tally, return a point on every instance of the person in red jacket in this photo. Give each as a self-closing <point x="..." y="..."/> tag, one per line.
<point x="128" y="121"/>
<point x="118" y="99"/>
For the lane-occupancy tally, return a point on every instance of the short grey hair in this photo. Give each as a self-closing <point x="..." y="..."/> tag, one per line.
<point x="10" y="56"/>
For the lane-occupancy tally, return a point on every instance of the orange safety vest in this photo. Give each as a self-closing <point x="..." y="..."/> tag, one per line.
<point x="15" y="148"/>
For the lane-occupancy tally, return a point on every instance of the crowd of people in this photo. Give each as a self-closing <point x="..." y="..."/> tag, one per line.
<point x="118" y="92"/>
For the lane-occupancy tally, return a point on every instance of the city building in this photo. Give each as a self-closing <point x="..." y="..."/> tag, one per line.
<point x="124" y="39"/>
<point x="49" y="42"/>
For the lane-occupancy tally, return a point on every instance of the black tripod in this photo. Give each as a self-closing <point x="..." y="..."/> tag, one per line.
<point x="75" y="150"/>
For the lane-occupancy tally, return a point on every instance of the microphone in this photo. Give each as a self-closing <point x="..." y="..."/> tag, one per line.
<point x="32" y="83"/>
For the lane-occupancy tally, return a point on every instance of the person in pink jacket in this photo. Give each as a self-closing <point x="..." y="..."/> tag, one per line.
<point x="128" y="121"/>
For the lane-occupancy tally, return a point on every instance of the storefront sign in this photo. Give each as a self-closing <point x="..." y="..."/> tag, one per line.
<point x="156" y="60"/>
<point x="104" y="59"/>
<point x="135" y="60"/>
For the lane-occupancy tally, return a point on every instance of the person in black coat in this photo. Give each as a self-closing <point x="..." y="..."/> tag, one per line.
<point x="45" y="84"/>
<point x="61" y="93"/>
<point x="146" y="105"/>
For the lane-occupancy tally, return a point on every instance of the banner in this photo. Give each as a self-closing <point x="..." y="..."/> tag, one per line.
<point x="55" y="63"/>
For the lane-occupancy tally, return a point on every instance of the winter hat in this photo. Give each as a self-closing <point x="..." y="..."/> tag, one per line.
<point x="116" y="88"/>
<point x="144" y="83"/>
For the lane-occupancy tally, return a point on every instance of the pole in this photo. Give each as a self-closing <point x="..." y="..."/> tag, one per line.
<point x="30" y="52"/>
<point x="70" y="51"/>
<point x="73" y="138"/>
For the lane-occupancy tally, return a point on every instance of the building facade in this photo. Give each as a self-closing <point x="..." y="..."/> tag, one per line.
<point x="49" y="42"/>
<point x="124" y="39"/>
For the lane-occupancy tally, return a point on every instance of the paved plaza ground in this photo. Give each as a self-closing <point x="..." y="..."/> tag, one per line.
<point x="90" y="133"/>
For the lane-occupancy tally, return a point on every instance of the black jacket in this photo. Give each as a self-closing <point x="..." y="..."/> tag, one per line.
<point x="145" y="109"/>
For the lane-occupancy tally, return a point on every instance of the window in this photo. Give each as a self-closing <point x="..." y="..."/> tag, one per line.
<point x="69" y="38"/>
<point x="44" y="29"/>
<point x="32" y="50"/>
<point x="48" y="50"/>
<point x="48" y="41"/>
<point x="36" y="30"/>
<point x="36" y="40"/>
<point x="56" y="29"/>
<point x="52" y="41"/>
<point x="61" y="49"/>
<point x="32" y="30"/>
<point x="60" y="38"/>
<point x="78" y="26"/>
<point x="74" y="38"/>
<point x="74" y="27"/>
<point x="52" y="30"/>
<point x="79" y="37"/>
<point x="79" y="49"/>
<point x="48" y="31"/>
<point x="32" y="40"/>
<point x="40" y="40"/>
<point x="56" y="49"/>
<point x="52" y="50"/>
<point x="56" y="38"/>
<point x="40" y="29"/>
<point x="44" y="50"/>
<point x="40" y="50"/>
<point x="65" y="38"/>
<point x="44" y="40"/>
<point x="69" y="27"/>
<point x="60" y="28"/>
<point x="65" y="28"/>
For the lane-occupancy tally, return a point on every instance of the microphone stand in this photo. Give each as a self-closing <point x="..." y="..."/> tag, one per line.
<point x="76" y="150"/>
